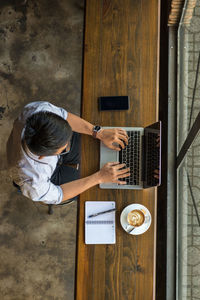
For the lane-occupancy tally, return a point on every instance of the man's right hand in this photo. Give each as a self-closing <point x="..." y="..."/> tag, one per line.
<point x="112" y="172"/>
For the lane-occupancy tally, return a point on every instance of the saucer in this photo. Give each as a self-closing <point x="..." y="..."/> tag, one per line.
<point x="137" y="230"/>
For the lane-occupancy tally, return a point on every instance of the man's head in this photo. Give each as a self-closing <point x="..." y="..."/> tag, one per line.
<point x="46" y="133"/>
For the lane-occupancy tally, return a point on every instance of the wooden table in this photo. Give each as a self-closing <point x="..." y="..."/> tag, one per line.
<point x="121" y="55"/>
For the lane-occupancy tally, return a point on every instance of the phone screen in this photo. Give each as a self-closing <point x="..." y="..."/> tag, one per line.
<point x="114" y="103"/>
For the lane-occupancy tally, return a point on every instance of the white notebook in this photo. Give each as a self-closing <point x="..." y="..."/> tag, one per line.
<point x="99" y="229"/>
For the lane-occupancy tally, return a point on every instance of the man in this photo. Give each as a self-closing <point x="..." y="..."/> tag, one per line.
<point x="43" y="145"/>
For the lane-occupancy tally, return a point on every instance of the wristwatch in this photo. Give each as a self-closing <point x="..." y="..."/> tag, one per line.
<point x="96" y="129"/>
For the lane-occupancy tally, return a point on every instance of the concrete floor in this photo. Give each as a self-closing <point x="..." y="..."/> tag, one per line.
<point x="40" y="59"/>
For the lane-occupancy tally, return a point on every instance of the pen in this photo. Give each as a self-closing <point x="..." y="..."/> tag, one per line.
<point x="103" y="212"/>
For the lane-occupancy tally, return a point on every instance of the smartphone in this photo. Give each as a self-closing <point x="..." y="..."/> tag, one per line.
<point x="114" y="103"/>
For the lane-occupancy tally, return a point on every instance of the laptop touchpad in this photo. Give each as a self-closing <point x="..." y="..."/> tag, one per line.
<point x="107" y="155"/>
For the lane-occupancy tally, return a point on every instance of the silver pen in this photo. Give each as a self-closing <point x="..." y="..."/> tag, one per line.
<point x="101" y="213"/>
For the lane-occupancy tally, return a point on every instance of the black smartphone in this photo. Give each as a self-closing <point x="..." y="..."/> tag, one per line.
<point x="114" y="103"/>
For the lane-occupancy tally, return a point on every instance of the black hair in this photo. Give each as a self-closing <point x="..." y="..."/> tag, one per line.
<point x="46" y="132"/>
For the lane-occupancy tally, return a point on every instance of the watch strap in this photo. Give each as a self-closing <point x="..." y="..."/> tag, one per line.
<point x="94" y="134"/>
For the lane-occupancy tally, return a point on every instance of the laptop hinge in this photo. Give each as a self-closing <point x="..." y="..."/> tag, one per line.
<point x="143" y="159"/>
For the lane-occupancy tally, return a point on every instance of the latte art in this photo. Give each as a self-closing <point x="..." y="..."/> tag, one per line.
<point x="135" y="217"/>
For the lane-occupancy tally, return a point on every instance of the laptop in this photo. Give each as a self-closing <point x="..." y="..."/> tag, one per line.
<point x="142" y="155"/>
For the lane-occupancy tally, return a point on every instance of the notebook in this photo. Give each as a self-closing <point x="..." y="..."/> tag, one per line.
<point x="99" y="229"/>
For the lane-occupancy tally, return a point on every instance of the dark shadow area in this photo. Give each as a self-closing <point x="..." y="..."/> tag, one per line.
<point x="162" y="190"/>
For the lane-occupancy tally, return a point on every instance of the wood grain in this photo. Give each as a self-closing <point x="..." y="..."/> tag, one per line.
<point x="120" y="58"/>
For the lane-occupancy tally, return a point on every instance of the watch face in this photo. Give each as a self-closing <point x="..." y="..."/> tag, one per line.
<point x="97" y="128"/>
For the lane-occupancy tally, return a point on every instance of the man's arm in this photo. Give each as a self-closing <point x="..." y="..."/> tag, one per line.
<point x="79" y="125"/>
<point x="110" y="172"/>
<point x="110" y="137"/>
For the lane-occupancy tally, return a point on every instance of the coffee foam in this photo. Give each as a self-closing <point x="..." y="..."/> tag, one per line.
<point x="135" y="217"/>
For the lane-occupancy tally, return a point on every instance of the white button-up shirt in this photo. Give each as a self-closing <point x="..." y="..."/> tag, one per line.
<point x="26" y="169"/>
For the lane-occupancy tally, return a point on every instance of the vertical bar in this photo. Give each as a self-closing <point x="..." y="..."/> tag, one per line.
<point x="171" y="173"/>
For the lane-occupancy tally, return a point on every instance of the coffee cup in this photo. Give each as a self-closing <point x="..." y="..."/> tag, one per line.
<point x="136" y="218"/>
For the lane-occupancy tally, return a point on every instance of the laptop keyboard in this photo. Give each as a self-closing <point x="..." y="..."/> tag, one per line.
<point x="130" y="156"/>
<point x="152" y="158"/>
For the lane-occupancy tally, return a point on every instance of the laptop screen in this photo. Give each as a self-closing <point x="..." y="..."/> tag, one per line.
<point x="152" y="155"/>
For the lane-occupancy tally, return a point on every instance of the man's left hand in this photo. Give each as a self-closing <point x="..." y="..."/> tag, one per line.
<point x="113" y="138"/>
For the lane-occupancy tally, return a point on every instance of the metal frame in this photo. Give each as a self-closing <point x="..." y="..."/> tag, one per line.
<point x="171" y="167"/>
